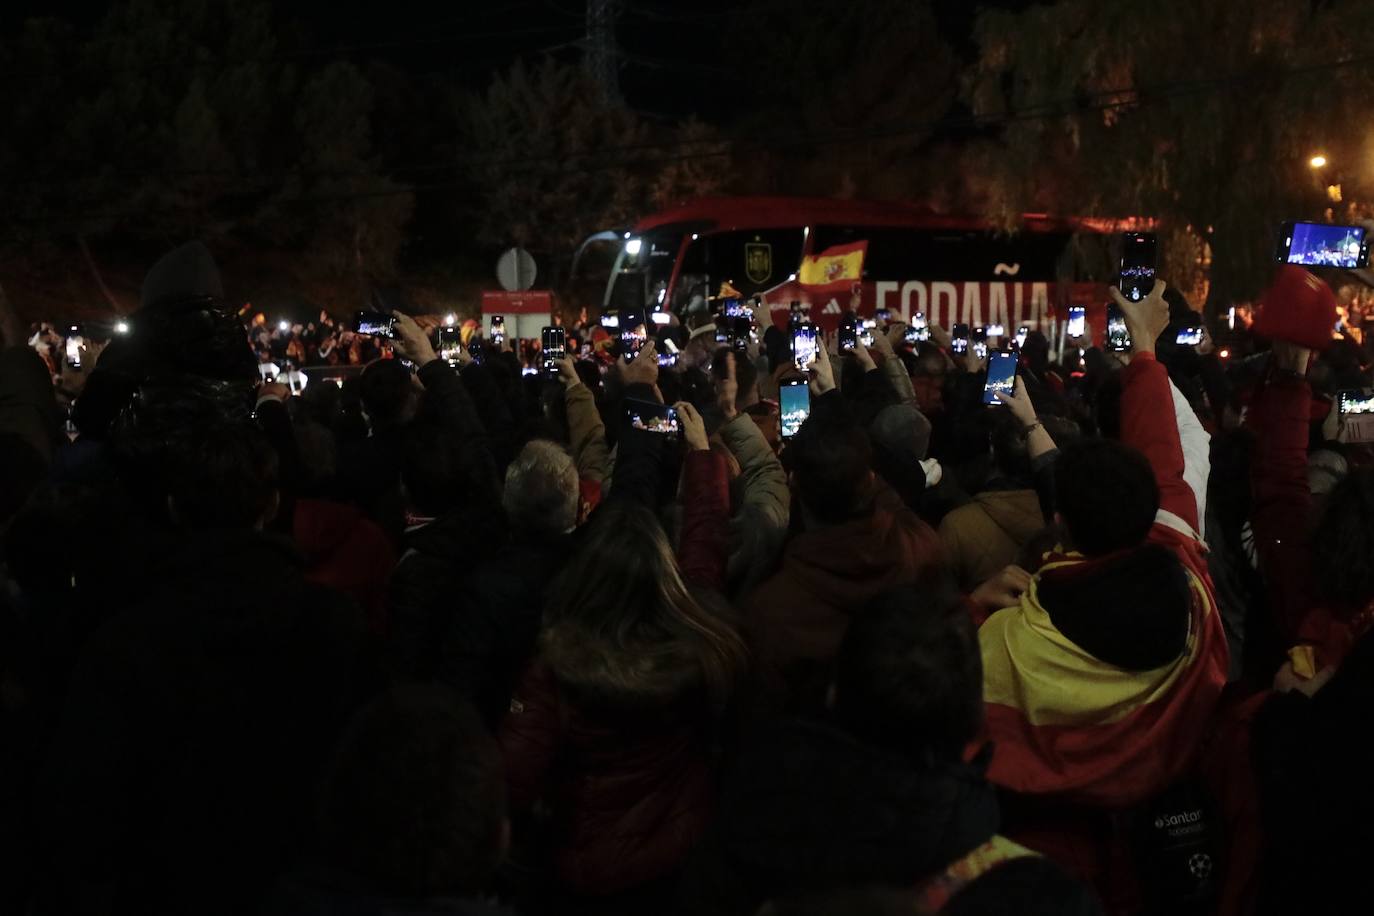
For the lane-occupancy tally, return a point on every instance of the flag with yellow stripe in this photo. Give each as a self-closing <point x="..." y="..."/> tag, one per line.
<point x="834" y="270"/>
<point x="1066" y="723"/>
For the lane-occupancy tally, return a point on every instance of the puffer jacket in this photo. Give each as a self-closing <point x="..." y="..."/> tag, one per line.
<point x="987" y="534"/>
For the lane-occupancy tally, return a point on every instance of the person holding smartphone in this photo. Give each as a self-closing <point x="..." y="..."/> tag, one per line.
<point x="1131" y="519"/>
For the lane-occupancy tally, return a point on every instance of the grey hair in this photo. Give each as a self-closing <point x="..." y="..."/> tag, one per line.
<point x="541" y="493"/>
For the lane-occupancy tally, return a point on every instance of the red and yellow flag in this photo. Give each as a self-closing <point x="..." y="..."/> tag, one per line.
<point x="835" y="269"/>
<point x="1065" y="723"/>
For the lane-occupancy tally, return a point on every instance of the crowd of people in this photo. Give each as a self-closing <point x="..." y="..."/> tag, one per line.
<point x="453" y="638"/>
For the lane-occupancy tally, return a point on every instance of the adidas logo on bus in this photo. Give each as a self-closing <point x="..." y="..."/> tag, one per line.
<point x="832" y="308"/>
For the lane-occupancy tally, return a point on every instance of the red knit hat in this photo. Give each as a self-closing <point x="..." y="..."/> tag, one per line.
<point x="1299" y="308"/>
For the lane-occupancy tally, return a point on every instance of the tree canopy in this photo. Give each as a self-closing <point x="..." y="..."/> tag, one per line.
<point x="1202" y="114"/>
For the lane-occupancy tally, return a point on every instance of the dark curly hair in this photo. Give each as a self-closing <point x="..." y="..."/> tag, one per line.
<point x="1343" y="543"/>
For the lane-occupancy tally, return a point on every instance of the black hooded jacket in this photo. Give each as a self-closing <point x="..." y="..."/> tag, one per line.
<point x="809" y="807"/>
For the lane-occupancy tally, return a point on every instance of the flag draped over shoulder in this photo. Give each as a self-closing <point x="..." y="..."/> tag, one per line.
<point x="834" y="270"/>
<point x="1067" y="723"/>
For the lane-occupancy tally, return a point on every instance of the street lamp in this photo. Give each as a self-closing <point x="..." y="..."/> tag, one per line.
<point x="1317" y="161"/>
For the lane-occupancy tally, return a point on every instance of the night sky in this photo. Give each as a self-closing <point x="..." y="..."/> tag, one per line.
<point x="673" y="63"/>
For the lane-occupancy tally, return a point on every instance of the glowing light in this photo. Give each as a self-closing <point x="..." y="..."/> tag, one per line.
<point x="633" y="246"/>
<point x="283" y="325"/>
<point x="1317" y="161"/>
<point x="1224" y="353"/>
<point x="695" y="236"/>
<point x="121" y="327"/>
<point x="450" y="319"/>
<point x="791" y="277"/>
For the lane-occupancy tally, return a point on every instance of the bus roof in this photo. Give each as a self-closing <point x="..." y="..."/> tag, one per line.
<point x="723" y="214"/>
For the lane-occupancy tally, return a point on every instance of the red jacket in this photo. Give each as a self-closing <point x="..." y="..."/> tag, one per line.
<point x="618" y="745"/>
<point x="345" y="551"/>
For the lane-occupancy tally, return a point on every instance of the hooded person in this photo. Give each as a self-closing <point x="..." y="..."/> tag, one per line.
<point x="859" y="541"/>
<point x="183" y="324"/>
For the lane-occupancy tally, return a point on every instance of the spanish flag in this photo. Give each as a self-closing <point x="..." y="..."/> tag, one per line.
<point x="1068" y="724"/>
<point x="834" y="270"/>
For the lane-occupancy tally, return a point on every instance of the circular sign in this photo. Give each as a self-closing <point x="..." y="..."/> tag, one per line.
<point x="515" y="270"/>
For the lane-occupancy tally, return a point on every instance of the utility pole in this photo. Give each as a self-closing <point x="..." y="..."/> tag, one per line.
<point x="602" y="58"/>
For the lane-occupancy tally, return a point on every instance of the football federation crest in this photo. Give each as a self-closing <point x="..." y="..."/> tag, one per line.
<point x="758" y="261"/>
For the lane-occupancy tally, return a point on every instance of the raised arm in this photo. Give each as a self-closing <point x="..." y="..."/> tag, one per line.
<point x="1148" y="423"/>
<point x="705" y="505"/>
<point x="586" y="431"/>
<point x="1197" y="453"/>
<point x="760" y="524"/>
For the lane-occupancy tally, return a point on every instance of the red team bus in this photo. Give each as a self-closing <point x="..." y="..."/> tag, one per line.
<point x="951" y="269"/>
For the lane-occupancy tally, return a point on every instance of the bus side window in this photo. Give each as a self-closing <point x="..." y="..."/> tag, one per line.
<point x="692" y="275"/>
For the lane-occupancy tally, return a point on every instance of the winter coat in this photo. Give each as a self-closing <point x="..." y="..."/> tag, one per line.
<point x="429" y="586"/>
<point x="987" y="534"/>
<point x="618" y="750"/>
<point x="493" y="620"/>
<point x="807" y="806"/>
<point x="796" y="619"/>
<point x="346" y="551"/>
<point x="196" y="726"/>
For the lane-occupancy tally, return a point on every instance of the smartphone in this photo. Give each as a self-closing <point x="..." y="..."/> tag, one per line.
<point x="375" y="324"/>
<point x="980" y="342"/>
<point x="804" y="345"/>
<point x="1137" y="276"/>
<point x="1356" y="401"/>
<point x="741" y="333"/>
<point x="996" y="330"/>
<point x="1324" y="245"/>
<point x="1078" y="320"/>
<point x="794" y="405"/>
<point x="1021" y="334"/>
<point x="866" y="328"/>
<point x="75" y="343"/>
<point x="722" y="329"/>
<point x="884" y="316"/>
<point x="652" y="417"/>
<point x="450" y="341"/>
<point x="498" y="329"/>
<point x="919" y="330"/>
<point x="659" y="316"/>
<point x="632" y="340"/>
<point x="1188" y="337"/>
<point x="736" y="309"/>
<point x="610" y="320"/>
<point x="476" y="350"/>
<point x="554" y="345"/>
<point x="667" y="360"/>
<point x="1001" y="376"/>
<point x="1118" y="337"/>
<point x="959" y="338"/>
<point x="849" y="333"/>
